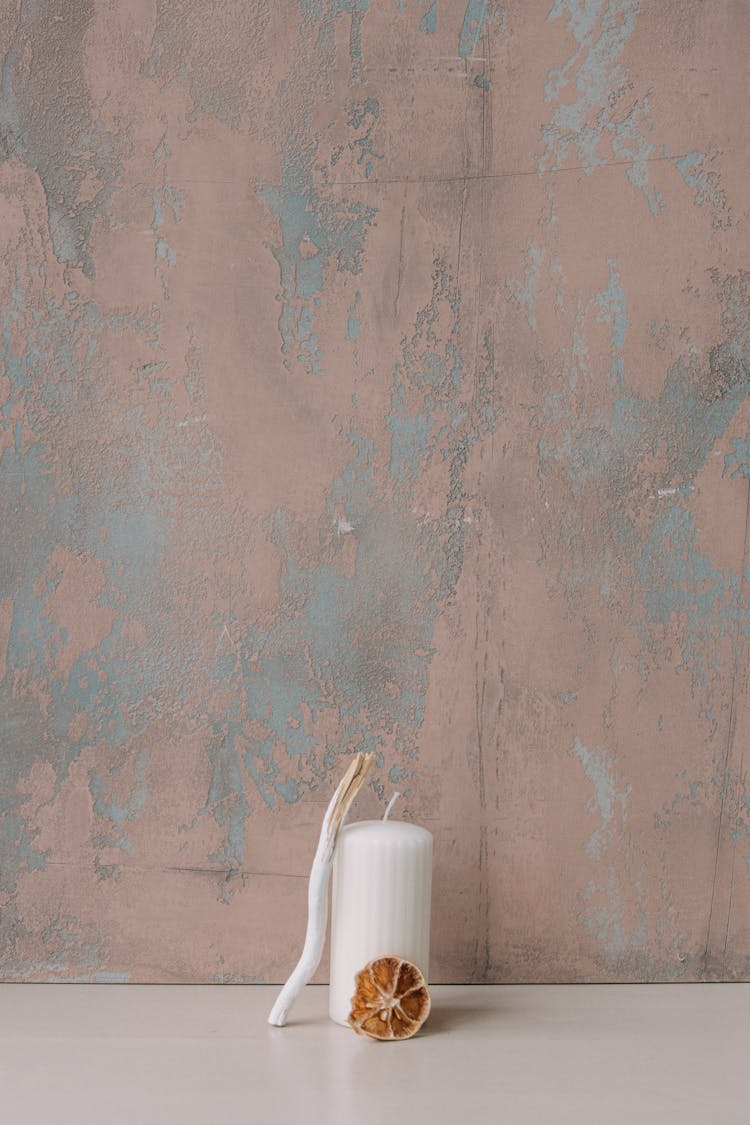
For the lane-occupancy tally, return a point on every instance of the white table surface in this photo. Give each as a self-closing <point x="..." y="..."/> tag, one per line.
<point x="551" y="1055"/>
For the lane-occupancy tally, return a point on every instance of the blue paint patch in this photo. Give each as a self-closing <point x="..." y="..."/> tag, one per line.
<point x="594" y="116"/>
<point x="524" y="293"/>
<point x="118" y="815"/>
<point x="318" y="234"/>
<point x="359" y="112"/>
<point x="62" y="138"/>
<point x="165" y="253"/>
<point x="80" y="519"/>
<point x="163" y="199"/>
<point x="705" y="184"/>
<point x="604" y="915"/>
<point x="479" y="16"/>
<point x="625" y="942"/>
<point x="162" y="151"/>
<point x="364" y="113"/>
<point x="694" y="794"/>
<point x="354" y="321"/>
<point x="314" y="235"/>
<point x="613" y="307"/>
<point x="607" y="801"/>
<point x="613" y="310"/>
<point x="288" y="791"/>
<point x="430" y="20"/>
<point x="680" y="586"/>
<point x="605" y="447"/>
<point x="123" y="511"/>
<point x="320" y="16"/>
<point x="483" y="82"/>
<point x="623" y="934"/>
<point x="688" y="167"/>
<point x="737" y="463"/>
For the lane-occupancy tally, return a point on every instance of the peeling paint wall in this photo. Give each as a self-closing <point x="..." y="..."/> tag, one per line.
<point x="375" y="375"/>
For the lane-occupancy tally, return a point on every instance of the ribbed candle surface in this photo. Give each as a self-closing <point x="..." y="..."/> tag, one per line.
<point x="382" y="884"/>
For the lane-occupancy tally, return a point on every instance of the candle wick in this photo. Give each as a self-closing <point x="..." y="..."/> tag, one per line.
<point x="391" y="803"/>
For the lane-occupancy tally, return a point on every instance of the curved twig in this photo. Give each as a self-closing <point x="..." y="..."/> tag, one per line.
<point x="317" y="891"/>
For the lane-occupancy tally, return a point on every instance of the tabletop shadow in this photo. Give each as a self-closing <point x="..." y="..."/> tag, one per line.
<point x="447" y="1017"/>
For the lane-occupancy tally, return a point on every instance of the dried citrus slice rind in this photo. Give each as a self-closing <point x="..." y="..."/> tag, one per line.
<point x="391" y="999"/>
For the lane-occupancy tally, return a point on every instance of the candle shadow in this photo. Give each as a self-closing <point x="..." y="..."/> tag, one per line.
<point x="457" y="1016"/>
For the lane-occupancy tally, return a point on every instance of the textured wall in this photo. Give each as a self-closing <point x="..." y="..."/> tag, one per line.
<point x="375" y="375"/>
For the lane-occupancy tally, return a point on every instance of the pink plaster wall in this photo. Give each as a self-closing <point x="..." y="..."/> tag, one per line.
<point x="375" y="374"/>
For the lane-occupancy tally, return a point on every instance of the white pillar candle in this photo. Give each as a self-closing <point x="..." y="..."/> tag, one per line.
<point x="382" y="884"/>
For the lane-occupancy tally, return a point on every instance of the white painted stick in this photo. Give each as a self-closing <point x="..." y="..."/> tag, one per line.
<point x="317" y="891"/>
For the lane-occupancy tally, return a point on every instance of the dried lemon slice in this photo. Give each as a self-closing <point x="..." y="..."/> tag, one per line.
<point x="391" y="1000"/>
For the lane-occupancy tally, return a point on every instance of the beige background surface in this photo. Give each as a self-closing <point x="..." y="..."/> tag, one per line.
<point x="374" y="376"/>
